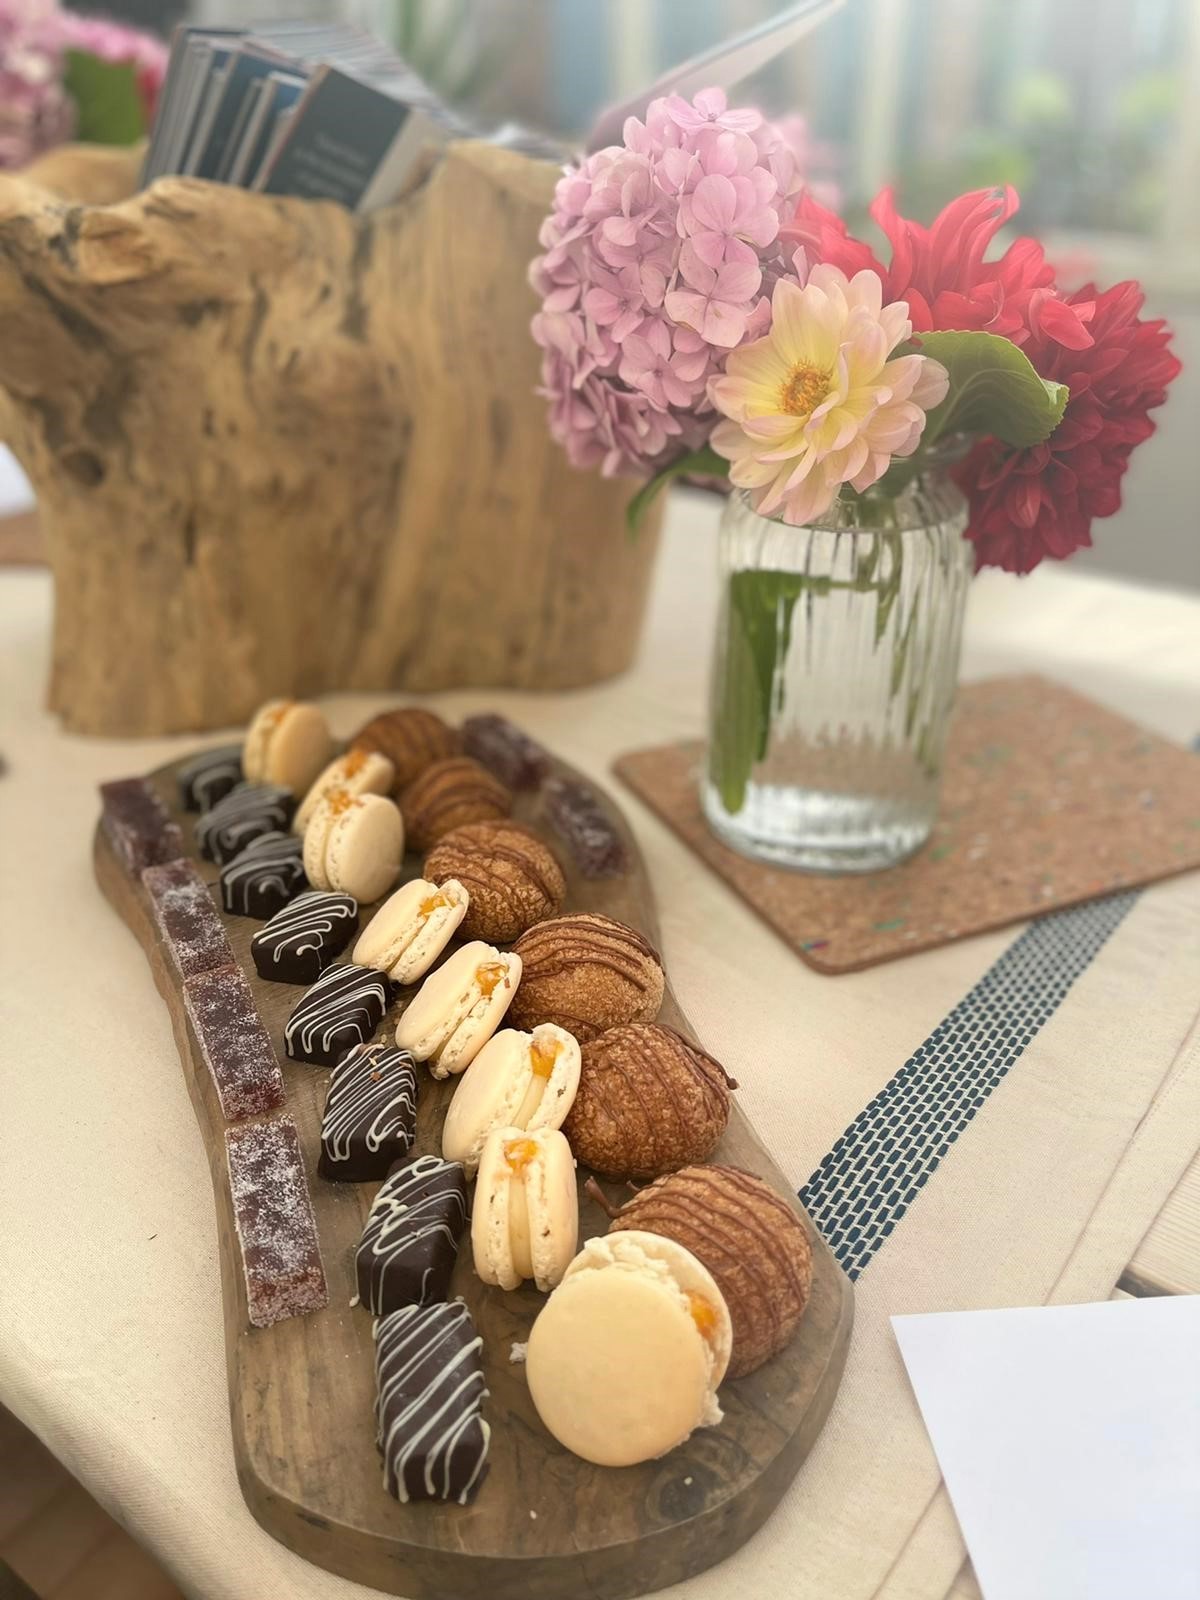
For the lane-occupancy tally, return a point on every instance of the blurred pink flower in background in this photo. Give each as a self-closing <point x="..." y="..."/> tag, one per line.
<point x="36" y="112"/>
<point x="658" y="259"/>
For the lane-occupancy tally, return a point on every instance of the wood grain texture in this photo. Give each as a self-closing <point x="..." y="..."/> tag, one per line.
<point x="281" y="449"/>
<point x="545" y="1523"/>
<point x="1168" y="1259"/>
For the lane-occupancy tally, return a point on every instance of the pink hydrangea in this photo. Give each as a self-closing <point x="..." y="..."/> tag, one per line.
<point x="658" y="259"/>
<point x="35" y="110"/>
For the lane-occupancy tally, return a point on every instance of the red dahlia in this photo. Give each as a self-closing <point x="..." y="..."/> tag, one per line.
<point x="1029" y="504"/>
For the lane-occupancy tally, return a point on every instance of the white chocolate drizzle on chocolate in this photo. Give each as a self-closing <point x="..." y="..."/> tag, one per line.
<point x="344" y="1000"/>
<point x="373" y="1093"/>
<point x="313" y="921"/>
<point x="429" y="1422"/>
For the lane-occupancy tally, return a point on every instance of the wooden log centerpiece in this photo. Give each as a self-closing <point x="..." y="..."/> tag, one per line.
<point x="282" y="449"/>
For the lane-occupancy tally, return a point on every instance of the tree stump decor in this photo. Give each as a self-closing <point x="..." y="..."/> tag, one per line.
<point x="282" y="449"/>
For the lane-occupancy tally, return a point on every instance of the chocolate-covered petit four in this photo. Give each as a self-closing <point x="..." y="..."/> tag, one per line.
<point x="138" y="824"/>
<point x="303" y="939"/>
<point x="273" y="1215"/>
<point x="209" y="777"/>
<point x="410" y="1241"/>
<point x="343" y="1008"/>
<point x="187" y="918"/>
<point x="264" y="877"/>
<point x="245" y="814"/>
<point x="370" y="1114"/>
<point x="429" y="1382"/>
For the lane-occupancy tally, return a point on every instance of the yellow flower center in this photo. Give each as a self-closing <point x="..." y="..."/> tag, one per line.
<point x="804" y="390"/>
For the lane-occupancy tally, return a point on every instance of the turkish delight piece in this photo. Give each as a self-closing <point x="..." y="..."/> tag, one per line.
<point x="138" y="824"/>
<point x="505" y="750"/>
<point x="273" y="1215"/>
<point x="234" y="1043"/>
<point x="187" y="918"/>
<point x="591" y="836"/>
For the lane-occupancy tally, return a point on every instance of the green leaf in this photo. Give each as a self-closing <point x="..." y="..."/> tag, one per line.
<point x="108" y="105"/>
<point x="705" y="462"/>
<point x="993" y="389"/>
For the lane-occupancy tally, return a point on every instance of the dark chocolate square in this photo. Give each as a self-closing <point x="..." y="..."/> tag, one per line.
<point x="264" y="877"/>
<point x="305" y="937"/>
<point x="245" y="814"/>
<point x="343" y="1008"/>
<point x="209" y="777"/>
<point x="428" y="1411"/>
<point x="370" y="1114"/>
<point x="410" y="1241"/>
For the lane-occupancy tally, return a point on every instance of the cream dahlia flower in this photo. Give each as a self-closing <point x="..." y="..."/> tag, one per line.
<point x="817" y="402"/>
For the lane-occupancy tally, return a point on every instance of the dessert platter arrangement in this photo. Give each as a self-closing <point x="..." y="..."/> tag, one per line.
<point x="515" y="1299"/>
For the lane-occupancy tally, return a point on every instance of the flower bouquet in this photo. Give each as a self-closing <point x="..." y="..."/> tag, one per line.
<point x="704" y="313"/>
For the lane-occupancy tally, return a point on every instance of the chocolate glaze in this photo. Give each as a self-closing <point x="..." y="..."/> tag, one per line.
<point x="429" y="1382"/>
<point x="410" y="1241"/>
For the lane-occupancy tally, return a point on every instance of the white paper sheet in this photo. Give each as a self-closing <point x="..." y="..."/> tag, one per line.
<point x="1069" y="1439"/>
<point x="15" y="492"/>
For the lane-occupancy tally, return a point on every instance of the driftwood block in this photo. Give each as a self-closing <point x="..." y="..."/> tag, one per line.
<point x="280" y="449"/>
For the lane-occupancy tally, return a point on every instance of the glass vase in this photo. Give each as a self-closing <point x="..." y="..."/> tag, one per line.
<point x="834" y="676"/>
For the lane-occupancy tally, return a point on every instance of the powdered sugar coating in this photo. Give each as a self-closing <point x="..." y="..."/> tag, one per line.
<point x="187" y="918"/>
<point x="234" y="1043"/>
<point x="276" y="1229"/>
<point x="138" y="824"/>
<point x="577" y="814"/>
<point x="505" y="750"/>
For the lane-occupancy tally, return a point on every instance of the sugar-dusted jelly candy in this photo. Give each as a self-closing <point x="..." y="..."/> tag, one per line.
<point x="187" y="918"/>
<point x="579" y="816"/>
<point x="234" y="1043"/>
<point x="273" y="1215"/>
<point x="138" y="824"/>
<point x="505" y="750"/>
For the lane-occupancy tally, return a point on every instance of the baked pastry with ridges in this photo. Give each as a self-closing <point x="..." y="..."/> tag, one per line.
<point x="648" y="1102"/>
<point x="587" y="973"/>
<point x="748" y="1237"/>
<point x="512" y="878"/>
<point x="449" y="794"/>
<point x="411" y="738"/>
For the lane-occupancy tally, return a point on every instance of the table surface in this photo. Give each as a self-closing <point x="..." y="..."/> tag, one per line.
<point x="122" y="1394"/>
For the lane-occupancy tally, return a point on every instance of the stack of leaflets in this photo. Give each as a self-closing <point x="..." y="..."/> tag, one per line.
<point x="296" y="108"/>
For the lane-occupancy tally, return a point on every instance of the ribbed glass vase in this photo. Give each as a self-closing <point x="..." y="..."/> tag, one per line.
<point x="834" y="676"/>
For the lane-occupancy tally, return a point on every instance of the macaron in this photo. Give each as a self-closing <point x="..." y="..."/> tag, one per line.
<point x="459" y="1007"/>
<point x="287" y="742"/>
<point x="525" y="1220"/>
<point x="357" y="772"/>
<point x="518" y="1080"/>
<point x="412" y="928"/>
<point x="354" y="844"/>
<point x="626" y="1356"/>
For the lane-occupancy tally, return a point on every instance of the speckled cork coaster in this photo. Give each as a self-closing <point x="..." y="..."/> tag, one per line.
<point x="1047" y="799"/>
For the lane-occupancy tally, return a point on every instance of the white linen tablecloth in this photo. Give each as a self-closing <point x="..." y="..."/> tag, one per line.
<point x="111" y="1343"/>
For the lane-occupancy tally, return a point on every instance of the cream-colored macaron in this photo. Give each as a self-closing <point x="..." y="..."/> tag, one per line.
<point x="518" y="1080"/>
<point x="357" y="772"/>
<point x="625" y="1358"/>
<point x="288" y="742"/>
<point x="459" y="1007"/>
<point x="525" y="1220"/>
<point x="354" y="843"/>
<point x="412" y="928"/>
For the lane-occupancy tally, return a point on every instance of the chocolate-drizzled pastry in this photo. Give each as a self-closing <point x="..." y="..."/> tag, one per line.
<point x="505" y="750"/>
<point x="300" y="941"/>
<point x="748" y="1237"/>
<point x="411" y="738"/>
<point x="343" y="1008"/>
<point x="370" y="1114"/>
<point x="209" y="777"/>
<point x="245" y="814"/>
<point x="273" y="1215"/>
<point x="410" y="1241"/>
<point x="586" y="973"/>
<point x="187" y="918"/>
<point x="429" y="1382"/>
<point x="588" y="831"/>
<point x="512" y="879"/>
<point x="262" y="878"/>
<point x="449" y="794"/>
<point x="647" y="1102"/>
<point x="235" y="1045"/>
<point x="138" y="824"/>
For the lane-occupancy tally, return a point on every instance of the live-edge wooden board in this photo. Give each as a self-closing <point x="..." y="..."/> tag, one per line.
<point x="545" y="1525"/>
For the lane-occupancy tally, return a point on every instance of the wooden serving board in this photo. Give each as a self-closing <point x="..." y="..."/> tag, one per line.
<point x="545" y="1524"/>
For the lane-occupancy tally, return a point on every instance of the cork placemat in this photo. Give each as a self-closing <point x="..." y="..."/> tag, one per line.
<point x="1047" y="799"/>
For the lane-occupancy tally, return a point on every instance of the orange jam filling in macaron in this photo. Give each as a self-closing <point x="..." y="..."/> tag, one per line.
<point x="490" y="976"/>
<point x="518" y="1153"/>
<point x="704" y="1315"/>
<point x="543" y="1053"/>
